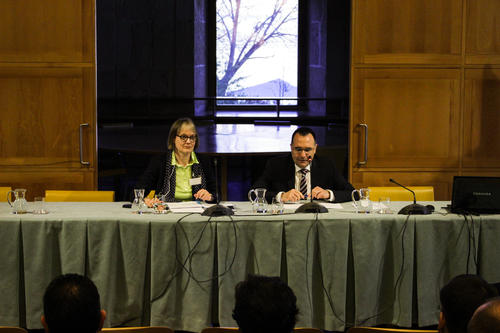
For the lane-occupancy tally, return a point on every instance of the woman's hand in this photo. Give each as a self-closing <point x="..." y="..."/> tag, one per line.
<point x="151" y="202"/>
<point x="203" y="195"/>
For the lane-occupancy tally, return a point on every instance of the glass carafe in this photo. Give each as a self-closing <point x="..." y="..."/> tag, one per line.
<point x="363" y="205"/>
<point x="138" y="205"/>
<point x="259" y="204"/>
<point x="19" y="205"/>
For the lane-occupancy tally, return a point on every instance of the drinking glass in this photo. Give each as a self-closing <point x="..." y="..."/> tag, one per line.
<point x="277" y="206"/>
<point x="384" y="205"/>
<point x="39" y="206"/>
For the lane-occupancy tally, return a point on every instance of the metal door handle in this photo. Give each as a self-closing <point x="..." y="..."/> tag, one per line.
<point x="365" y="126"/>
<point x="82" y="162"/>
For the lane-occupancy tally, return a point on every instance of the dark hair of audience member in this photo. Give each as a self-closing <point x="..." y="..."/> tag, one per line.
<point x="303" y="131"/>
<point x="71" y="304"/>
<point x="265" y="304"/>
<point x="486" y="319"/>
<point x="460" y="297"/>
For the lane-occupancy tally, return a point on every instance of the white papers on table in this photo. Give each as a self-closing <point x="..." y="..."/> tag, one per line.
<point x="331" y="205"/>
<point x="187" y="207"/>
<point x="291" y="205"/>
<point x="328" y="205"/>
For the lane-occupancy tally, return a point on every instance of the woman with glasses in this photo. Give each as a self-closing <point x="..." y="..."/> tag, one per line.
<point x="179" y="174"/>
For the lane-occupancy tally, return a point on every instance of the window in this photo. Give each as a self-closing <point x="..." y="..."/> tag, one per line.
<point x="256" y="54"/>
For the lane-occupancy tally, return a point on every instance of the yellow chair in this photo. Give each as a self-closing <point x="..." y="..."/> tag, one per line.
<point x="143" y="329"/>
<point x="396" y="193"/>
<point x="94" y="196"/>
<point x="11" y="329"/>
<point x="386" y="330"/>
<point x="3" y="194"/>
<point x="235" y="330"/>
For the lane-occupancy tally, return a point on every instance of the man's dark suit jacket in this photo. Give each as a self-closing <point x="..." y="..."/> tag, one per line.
<point x="279" y="175"/>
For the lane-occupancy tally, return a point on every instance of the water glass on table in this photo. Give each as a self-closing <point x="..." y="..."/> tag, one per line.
<point x="384" y="205"/>
<point x="39" y="206"/>
<point x="277" y="207"/>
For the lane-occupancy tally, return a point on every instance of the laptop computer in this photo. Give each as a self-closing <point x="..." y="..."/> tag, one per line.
<point x="475" y="195"/>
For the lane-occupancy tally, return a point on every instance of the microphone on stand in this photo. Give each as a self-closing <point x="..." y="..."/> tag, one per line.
<point x="217" y="209"/>
<point x="414" y="208"/>
<point x="311" y="207"/>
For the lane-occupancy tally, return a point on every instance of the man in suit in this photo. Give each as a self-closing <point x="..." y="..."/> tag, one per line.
<point x="303" y="174"/>
<point x="71" y="303"/>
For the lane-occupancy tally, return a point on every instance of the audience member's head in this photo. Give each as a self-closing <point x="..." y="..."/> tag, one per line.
<point x="264" y="304"/>
<point x="71" y="304"/>
<point x="459" y="299"/>
<point x="486" y="319"/>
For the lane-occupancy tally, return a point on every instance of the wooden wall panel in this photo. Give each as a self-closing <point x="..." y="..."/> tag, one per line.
<point x="425" y="129"/>
<point x="482" y="118"/>
<point x="41" y="110"/>
<point x="37" y="181"/>
<point x="412" y="117"/>
<point x="47" y="31"/>
<point x="483" y="32"/>
<point x="409" y="31"/>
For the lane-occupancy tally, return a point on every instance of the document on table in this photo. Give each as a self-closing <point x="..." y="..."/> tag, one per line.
<point x="331" y="205"/>
<point x="188" y="206"/>
<point x="328" y="205"/>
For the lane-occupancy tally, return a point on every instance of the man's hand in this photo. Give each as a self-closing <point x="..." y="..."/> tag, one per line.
<point x="203" y="195"/>
<point x="319" y="193"/>
<point x="291" y="196"/>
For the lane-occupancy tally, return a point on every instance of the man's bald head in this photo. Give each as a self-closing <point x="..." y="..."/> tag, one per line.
<point x="486" y="318"/>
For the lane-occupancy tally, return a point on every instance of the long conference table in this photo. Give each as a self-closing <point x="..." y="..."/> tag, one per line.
<point x="180" y="270"/>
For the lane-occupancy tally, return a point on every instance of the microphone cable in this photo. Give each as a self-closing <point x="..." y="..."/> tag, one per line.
<point x="320" y="267"/>
<point x="176" y="271"/>
<point x="471" y="243"/>
<point x="398" y="279"/>
<point x="315" y="224"/>
<point x="233" y="259"/>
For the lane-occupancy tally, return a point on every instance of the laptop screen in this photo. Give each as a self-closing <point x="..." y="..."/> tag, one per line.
<point x="475" y="195"/>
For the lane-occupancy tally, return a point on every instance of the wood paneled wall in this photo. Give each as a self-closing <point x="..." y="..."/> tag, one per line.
<point x="425" y="79"/>
<point x="47" y="90"/>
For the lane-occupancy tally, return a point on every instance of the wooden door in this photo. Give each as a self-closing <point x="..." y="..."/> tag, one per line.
<point x="481" y="118"/>
<point x="411" y="116"/>
<point x="47" y="95"/>
<point x="407" y="31"/>
<point x="482" y="37"/>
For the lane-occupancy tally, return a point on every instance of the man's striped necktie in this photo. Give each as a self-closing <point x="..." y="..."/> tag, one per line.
<point x="303" y="182"/>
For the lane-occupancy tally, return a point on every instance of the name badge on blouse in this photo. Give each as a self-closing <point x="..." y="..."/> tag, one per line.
<point x="195" y="181"/>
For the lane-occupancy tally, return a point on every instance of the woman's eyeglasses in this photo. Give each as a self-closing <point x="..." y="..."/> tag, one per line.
<point x="184" y="138"/>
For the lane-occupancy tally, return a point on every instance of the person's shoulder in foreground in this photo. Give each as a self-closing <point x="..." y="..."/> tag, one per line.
<point x="265" y="304"/>
<point x="459" y="298"/>
<point x="71" y="303"/>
